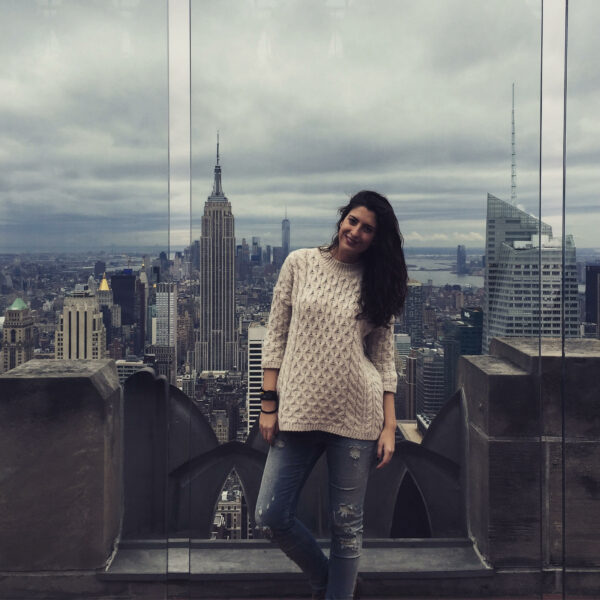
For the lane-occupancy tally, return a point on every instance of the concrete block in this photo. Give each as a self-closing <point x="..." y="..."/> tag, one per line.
<point x="60" y="465"/>
<point x="501" y="397"/>
<point x="579" y="369"/>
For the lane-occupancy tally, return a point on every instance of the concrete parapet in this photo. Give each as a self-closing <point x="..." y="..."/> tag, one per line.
<point x="530" y="417"/>
<point x="60" y="465"/>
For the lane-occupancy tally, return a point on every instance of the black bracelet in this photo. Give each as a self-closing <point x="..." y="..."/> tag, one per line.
<point x="269" y="395"/>
<point x="268" y="412"/>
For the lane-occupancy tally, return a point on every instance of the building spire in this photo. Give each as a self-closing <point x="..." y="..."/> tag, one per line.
<point x="513" y="164"/>
<point x="104" y="284"/>
<point x="217" y="187"/>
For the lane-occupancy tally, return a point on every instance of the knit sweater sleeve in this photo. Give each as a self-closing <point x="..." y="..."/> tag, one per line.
<point x="380" y="348"/>
<point x="279" y="317"/>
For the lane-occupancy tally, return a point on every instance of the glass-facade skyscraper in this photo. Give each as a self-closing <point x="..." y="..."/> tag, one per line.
<point x="285" y="238"/>
<point x="513" y="263"/>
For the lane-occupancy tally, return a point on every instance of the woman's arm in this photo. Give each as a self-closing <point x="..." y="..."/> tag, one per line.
<point x="387" y="438"/>
<point x="274" y="345"/>
<point x="267" y="423"/>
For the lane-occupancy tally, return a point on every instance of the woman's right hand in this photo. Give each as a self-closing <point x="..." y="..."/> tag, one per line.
<point x="269" y="427"/>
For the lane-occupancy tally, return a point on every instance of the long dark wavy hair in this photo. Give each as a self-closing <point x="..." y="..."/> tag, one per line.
<point x="385" y="276"/>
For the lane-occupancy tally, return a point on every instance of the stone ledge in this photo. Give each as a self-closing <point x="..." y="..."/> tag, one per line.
<point x="256" y="559"/>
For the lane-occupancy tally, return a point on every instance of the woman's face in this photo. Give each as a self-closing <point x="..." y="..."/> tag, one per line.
<point x="356" y="233"/>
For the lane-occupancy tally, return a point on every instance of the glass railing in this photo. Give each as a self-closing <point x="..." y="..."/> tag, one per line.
<point x="84" y="204"/>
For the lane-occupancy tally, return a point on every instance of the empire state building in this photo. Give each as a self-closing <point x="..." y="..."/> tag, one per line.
<point x="216" y="346"/>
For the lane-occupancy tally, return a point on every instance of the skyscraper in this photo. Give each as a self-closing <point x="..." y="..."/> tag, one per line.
<point x="166" y="314"/>
<point x="431" y="391"/>
<point x="216" y="348"/>
<point x="461" y="336"/>
<point x="461" y="260"/>
<point x="285" y="237"/>
<point x="111" y="312"/>
<point x="129" y="294"/>
<point x="403" y="344"/>
<point x="80" y="333"/>
<point x="256" y="336"/>
<point x="164" y="345"/>
<point x="409" y="380"/>
<point x="592" y="297"/>
<point x="512" y="277"/>
<point x="412" y="317"/>
<point x="17" y="337"/>
<point x="123" y="287"/>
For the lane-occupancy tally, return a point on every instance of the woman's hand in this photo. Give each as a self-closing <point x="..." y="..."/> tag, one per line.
<point x="385" y="446"/>
<point x="268" y="427"/>
<point x="387" y="438"/>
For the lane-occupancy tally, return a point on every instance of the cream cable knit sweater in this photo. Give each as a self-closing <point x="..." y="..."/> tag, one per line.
<point x="333" y="368"/>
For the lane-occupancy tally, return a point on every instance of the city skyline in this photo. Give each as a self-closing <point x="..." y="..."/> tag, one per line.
<point x="86" y="119"/>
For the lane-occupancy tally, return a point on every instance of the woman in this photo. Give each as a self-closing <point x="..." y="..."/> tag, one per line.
<point x="329" y="383"/>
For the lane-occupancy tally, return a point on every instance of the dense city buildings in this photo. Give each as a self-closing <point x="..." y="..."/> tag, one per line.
<point x="17" y="336"/>
<point x="520" y="258"/>
<point x="216" y="346"/>
<point x="170" y="299"/>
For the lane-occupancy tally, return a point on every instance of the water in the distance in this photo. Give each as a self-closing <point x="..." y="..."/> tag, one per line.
<point x="439" y="270"/>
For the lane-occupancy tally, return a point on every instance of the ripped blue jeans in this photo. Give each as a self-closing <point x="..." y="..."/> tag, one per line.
<point x="289" y="463"/>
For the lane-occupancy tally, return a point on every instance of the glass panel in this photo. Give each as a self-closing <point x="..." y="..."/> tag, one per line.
<point x="84" y="197"/>
<point x="579" y="387"/>
<point x="296" y="106"/>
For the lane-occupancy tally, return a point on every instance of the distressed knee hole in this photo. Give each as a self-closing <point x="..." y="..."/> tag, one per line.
<point x="347" y="511"/>
<point x="354" y="453"/>
<point x="280" y="443"/>
<point x="349" y="543"/>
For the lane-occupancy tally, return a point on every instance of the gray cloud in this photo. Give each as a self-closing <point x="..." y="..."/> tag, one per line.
<point x="315" y="99"/>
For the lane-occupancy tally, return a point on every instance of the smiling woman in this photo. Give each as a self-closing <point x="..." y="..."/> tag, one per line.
<point x="334" y="396"/>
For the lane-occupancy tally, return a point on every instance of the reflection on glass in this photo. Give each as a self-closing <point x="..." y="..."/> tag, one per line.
<point x="83" y="202"/>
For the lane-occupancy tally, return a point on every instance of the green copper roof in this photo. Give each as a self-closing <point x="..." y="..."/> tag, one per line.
<point x="18" y="304"/>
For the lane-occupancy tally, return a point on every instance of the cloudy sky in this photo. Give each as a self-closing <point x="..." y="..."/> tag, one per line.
<point x="314" y="100"/>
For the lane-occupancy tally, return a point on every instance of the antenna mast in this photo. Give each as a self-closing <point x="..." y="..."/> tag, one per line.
<point x="513" y="167"/>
